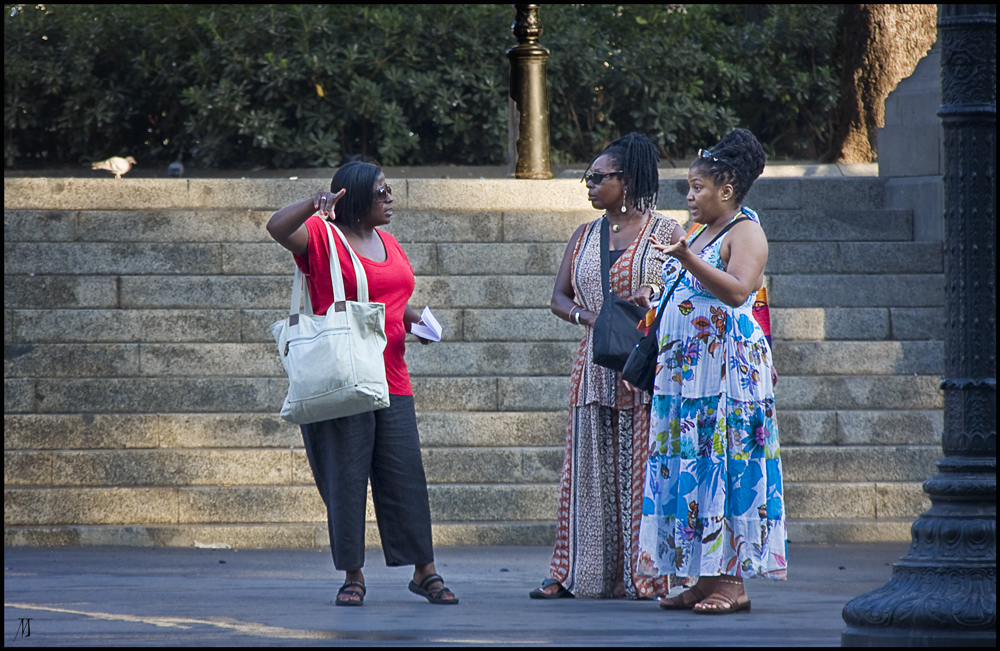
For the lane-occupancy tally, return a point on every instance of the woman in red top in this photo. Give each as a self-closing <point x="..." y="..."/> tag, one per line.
<point x="383" y="445"/>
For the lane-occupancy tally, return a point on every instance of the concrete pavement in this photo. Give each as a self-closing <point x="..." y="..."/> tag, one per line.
<point x="117" y="596"/>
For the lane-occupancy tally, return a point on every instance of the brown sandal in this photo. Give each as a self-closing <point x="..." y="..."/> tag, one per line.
<point x="680" y="602"/>
<point x="720" y="604"/>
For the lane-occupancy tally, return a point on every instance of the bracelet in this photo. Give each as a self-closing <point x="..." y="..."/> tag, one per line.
<point x="574" y="315"/>
<point x="656" y="291"/>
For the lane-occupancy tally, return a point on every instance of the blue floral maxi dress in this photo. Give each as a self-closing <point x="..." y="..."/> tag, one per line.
<point x="712" y="500"/>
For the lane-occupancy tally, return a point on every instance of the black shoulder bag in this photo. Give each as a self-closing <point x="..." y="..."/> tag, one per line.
<point x="616" y="330"/>
<point x="640" y="367"/>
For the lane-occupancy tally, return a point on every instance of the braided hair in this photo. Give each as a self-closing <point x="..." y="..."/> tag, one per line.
<point x="738" y="159"/>
<point x="359" y="179"/>
<point x="638" y="158"/>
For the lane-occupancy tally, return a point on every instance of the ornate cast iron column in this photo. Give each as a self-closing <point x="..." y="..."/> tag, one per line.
<point x="944" y="590"/>
<point x="529" y="104"/>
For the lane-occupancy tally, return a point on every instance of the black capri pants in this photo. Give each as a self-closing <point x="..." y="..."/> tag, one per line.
<point x="382" y="445"/>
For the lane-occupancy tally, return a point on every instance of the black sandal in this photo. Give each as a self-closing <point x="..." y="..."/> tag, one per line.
<point x="344" y="590"/>
<point x="434" y="597"/>
<point x="561" y="593"/>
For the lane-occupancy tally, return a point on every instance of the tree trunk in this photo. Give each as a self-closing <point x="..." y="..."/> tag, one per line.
<point x="880" y="46"/>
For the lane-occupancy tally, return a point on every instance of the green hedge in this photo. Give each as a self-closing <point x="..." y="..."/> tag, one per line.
<point x="308" y="85"/>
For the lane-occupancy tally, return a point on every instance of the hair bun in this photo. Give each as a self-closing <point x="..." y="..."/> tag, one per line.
<point x="741" y="161"/>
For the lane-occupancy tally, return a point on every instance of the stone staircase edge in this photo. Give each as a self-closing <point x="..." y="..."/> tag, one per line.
<point x="82" y="193"/>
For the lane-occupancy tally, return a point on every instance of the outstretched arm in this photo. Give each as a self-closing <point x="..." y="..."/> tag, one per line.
<point x="644" y="294"/>
<point x="287" y="226"/>
<point x="744" y="273"/>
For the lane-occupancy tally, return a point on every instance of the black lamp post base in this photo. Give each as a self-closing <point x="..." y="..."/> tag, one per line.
<point x="944" y="591"/>
<point x="896" y="637"/>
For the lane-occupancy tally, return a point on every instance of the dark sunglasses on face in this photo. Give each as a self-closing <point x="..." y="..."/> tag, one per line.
<point x="382" y="194"/>
<point x="598" y="177"/>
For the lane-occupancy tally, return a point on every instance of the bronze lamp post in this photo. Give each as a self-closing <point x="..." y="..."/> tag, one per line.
<point x="529" y="105"/>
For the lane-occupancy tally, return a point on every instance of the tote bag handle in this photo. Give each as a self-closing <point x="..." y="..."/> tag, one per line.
<point x="336" y="278"/>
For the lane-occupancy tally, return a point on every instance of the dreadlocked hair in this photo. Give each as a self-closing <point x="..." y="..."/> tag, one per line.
<point x="738" y="159"/>
<point x="638" y="159"/>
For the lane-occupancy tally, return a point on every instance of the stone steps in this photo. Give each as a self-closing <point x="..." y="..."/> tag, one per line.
<point x="438" y="429"/>
<point x="449" y="230"/>
<point x="141" y="385"/>
<point x="467" y="533"/>
<point x="477" y="465"/>
<point x="445" y="292"/>
<point x="458" y="359"/>
<point x="194" y="196"/>
<point x="540" y="393"/>
<point x="821" y="512"/>
<point x="119" y="325"/>
<point x="297" y="502"/>
<point x="496" y="259"/>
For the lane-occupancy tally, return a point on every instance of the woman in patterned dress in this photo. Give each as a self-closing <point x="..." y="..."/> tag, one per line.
<point x="713" y="508"/>
<point x="601" y="485"/>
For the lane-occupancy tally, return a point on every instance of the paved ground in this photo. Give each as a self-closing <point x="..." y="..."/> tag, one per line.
<point x="112" y="596"/>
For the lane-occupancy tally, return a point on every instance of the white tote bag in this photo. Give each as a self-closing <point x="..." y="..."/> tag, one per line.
<point x="334" y="362"/>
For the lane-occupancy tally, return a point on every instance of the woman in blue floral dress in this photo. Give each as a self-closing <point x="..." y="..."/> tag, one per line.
<point x="712" y="505"/>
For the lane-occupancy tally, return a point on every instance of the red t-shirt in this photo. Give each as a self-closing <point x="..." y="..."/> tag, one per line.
<point x="390" y="282"/>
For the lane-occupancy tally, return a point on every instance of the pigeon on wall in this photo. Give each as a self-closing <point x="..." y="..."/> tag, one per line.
<point x="116" y="165"/>
<point x="176" y="169"/>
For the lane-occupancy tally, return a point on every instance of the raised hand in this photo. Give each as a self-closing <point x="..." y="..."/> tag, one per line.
<point x="324" y="201"/>
<point x="678" y="250"/>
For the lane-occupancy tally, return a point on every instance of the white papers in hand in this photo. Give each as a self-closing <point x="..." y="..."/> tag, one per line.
<point x="428" y="328"/>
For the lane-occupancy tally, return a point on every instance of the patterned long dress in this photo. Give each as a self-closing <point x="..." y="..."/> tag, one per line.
<point x="597" y="521"/>
<point x="712" y="500"/>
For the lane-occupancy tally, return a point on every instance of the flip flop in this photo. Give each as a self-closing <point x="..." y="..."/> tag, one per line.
<point x="434" y="597"/>
<point x="561" y="593"/>
<point x="344" y="590"/>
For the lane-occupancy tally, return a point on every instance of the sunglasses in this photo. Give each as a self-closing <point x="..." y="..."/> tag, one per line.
<point x="382" y="194"/>
<point x="704" y="153"/>
<point x="598" y="177"/>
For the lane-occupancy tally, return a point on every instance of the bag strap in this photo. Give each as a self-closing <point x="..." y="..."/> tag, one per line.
<point x="360" y="278"/>
<point x="299" y="285"/>
<point x="722" y="232"/>
<point x="654" y="326"/>
<point x="605" y="258"/>
<point x="663" y="299"/>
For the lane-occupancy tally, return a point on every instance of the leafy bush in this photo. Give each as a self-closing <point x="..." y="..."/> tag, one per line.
<point x="685" y="75"/>
<point x="311" y="85"/>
